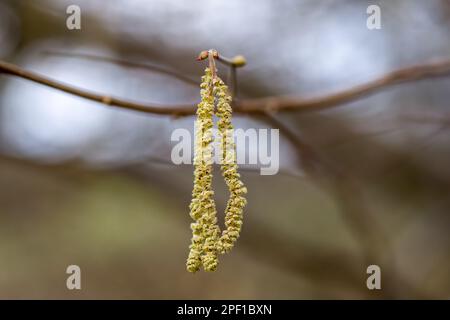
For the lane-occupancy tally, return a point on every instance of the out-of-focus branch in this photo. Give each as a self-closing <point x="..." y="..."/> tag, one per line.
<point x="249" y="106"/>
<point x="128" y="64"/>
<point x="360" y="221"/>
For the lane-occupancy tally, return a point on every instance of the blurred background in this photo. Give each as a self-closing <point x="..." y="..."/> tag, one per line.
<point x="86" y="184"/>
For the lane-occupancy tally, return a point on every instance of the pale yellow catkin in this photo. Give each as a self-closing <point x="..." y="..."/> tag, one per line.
<point x="203" y="211"/>
<point x="207" y="240"/>
<point x="229" y="167"/>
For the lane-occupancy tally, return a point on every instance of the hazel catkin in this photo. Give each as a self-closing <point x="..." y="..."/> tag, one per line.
<point x="207" y="239"/>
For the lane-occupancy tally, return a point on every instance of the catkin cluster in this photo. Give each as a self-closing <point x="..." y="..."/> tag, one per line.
<point x="208" y="240"/>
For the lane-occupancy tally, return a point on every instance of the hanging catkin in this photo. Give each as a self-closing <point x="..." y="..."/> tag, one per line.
<point x="236" y="202"/>
<point x="207" y="239"/>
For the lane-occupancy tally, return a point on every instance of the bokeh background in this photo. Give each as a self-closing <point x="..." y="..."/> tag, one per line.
<point x="86" y="184"/>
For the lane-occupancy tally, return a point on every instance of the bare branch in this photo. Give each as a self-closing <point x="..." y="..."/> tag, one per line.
<point x="14" y="70"/>
<point x="250" y="106"/>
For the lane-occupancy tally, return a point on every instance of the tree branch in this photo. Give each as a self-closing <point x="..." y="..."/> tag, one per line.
<point x="249" y="106"/>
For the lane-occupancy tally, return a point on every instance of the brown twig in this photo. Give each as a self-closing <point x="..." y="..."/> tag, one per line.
<point x="212" y="63"/>
<point x="10" y="69"/>
<point x="250" y="106"/>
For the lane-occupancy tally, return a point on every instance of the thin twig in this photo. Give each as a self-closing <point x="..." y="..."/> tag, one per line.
<point x="233" y="82"/>
<point x="127" y="64"/>
<point x="212" y="63"/>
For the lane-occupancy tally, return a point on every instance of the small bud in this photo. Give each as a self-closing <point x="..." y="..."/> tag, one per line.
<point x="203" y="55"/>
<point x="239" y="61"/>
